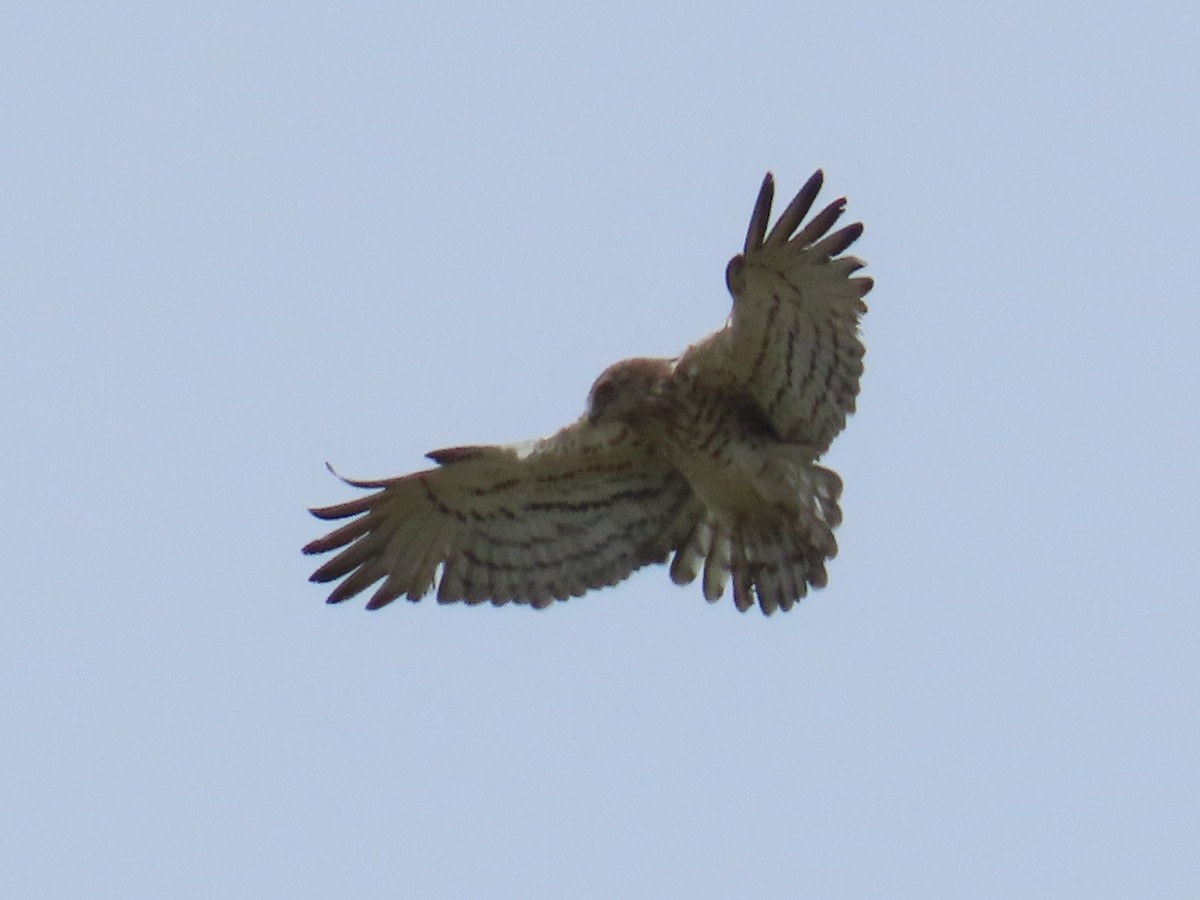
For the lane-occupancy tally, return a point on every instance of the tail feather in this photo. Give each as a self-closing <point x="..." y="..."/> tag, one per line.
<point x="718" y="564"/>
<point x="771" y="561"/>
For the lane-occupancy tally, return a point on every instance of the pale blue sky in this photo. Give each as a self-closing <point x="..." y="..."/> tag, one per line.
<point x="238" y="240"/>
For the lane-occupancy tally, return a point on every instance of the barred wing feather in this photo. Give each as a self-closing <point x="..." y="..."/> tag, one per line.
<point x="529" y="523"/>
<point x="792" y="340"/>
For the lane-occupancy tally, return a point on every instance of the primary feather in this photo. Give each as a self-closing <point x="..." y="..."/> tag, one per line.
<point x="707" y="460"/>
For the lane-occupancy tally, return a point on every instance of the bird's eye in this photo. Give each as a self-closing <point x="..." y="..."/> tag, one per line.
<point x="601" y="396"/>
<point x="603" y="393"/>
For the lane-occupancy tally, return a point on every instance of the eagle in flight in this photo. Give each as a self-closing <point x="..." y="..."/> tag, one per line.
<point x="707" y="460"/>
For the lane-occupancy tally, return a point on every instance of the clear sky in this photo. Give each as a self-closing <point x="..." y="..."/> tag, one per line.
<point x="240" y="239"/>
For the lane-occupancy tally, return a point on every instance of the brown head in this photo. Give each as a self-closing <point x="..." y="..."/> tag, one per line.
<point x="627" y="389"/>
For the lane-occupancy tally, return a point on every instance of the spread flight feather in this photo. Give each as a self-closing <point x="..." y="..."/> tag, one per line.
<point x="707" y="460"/>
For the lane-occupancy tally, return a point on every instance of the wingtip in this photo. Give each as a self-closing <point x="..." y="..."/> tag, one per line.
<point x="336" y="474"/>
<point x="792" y="217"/>
<point x="447" y="455"/>
<point x="757" y="231"/>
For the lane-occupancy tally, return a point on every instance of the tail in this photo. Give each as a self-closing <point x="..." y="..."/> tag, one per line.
<point x="772" y="560"/>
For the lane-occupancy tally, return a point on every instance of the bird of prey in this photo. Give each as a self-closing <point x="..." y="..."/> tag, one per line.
<point x="707" y="460"/>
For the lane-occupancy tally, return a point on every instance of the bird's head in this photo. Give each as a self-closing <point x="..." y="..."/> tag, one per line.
<point x="626" y="390"/>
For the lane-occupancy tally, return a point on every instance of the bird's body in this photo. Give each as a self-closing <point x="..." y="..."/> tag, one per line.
<point x="708" y="459"/>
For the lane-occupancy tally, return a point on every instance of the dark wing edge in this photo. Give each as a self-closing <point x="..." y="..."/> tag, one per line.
<point x="792" y="340"/>
<point x="579" y="510"/>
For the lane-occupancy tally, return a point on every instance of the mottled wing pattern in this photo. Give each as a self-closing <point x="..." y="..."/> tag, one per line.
<point x="792" y="340"/>
<point x="527" y="524"/>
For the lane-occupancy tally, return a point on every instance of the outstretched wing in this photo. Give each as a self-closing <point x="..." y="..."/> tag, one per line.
<point x="527" y="524"/>
<point x="792" y="340"/>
